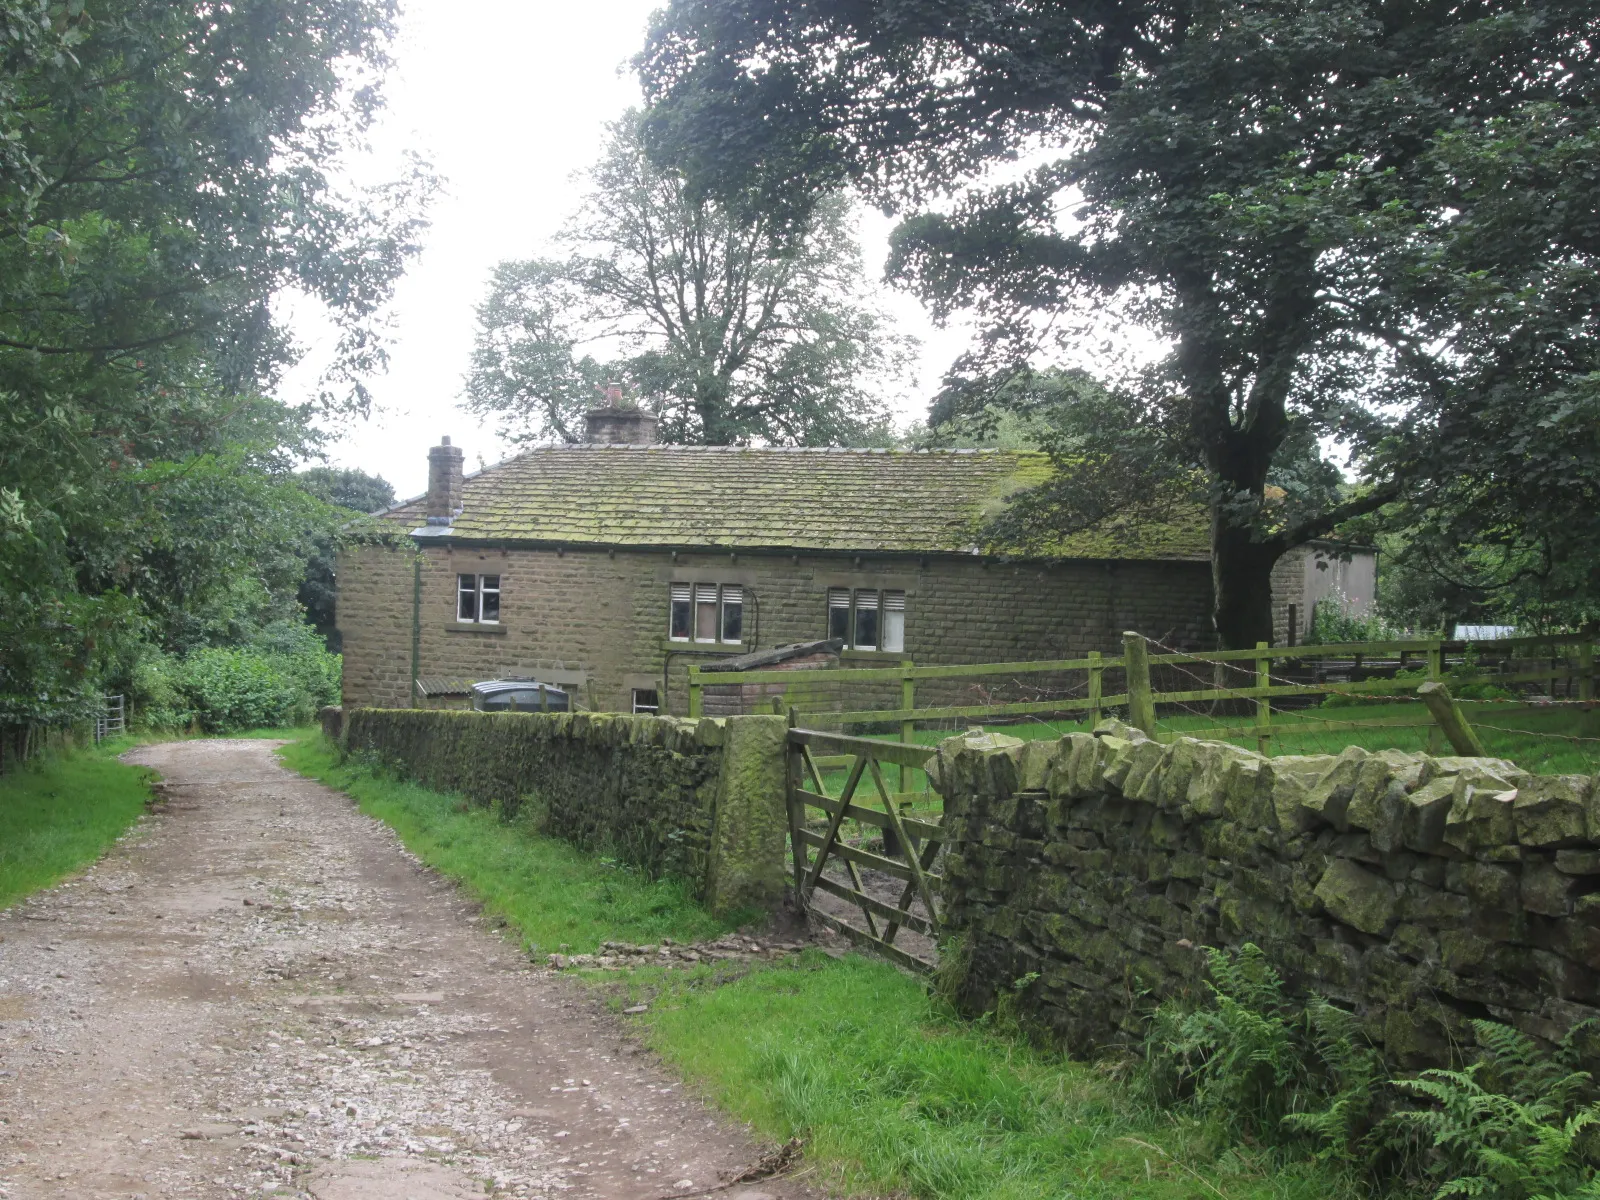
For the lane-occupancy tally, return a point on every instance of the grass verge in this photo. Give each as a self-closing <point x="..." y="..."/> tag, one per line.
<point x="891" y="1092"/>
<point x="553" y="894"/>
<point x="894" y="1094"/>
<point x="64" y="810"/>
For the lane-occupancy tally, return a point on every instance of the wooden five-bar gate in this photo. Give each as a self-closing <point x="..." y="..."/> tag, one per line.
<point x="911" y="844"/>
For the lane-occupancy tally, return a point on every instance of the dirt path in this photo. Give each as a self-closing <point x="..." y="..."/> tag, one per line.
<point x="260" y="993"/>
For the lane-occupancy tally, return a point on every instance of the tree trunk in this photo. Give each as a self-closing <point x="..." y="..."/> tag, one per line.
<point x="1241" y="585"/>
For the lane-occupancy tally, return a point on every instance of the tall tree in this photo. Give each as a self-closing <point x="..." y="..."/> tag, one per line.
<point x="165" y="172"/>
<point x="1355" y="222"/>
<point x="351" y="493"/>
<point x="730" y="328"/>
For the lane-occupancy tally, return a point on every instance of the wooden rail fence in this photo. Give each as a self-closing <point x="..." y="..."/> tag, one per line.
<point x="1357" y="669"/>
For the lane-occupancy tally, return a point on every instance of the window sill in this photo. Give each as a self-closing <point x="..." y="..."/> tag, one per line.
<point x="874" y="655"/>
<point x="475" y="627"/>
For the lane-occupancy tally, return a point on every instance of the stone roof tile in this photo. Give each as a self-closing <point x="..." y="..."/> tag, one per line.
<point x="895" y="501"/>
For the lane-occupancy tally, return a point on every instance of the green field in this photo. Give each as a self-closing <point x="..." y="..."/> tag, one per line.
<point x="61" y="812"/>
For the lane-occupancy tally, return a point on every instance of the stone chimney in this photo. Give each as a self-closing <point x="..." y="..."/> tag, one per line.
<point x="444" y="482"/>
<point x="617" y="424"/>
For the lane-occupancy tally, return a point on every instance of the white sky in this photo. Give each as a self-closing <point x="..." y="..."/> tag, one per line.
<point x="508" y="98"/>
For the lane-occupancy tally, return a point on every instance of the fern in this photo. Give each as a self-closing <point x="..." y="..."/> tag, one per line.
<point x="1256" y="1064"/>
<point x="1508" y="1127"/>
<point x="1520" y="1123"/>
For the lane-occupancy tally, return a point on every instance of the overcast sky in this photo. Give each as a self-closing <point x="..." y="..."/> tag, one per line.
<point x="508" y="98"/>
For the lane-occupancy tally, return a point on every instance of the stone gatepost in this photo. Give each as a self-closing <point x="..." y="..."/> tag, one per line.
<point x="749" y="831"/>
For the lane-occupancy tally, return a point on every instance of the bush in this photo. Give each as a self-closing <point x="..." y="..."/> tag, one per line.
<point x="1333" y="620"/>
<point x="281" y="678"/>
<point x="239" y="689"/>
<point x="156" y="695"/>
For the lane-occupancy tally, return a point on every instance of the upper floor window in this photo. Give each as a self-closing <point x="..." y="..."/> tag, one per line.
<point x="706" y="612"/>
<point x="868" y="619"/>
<point x="478" y="599"/>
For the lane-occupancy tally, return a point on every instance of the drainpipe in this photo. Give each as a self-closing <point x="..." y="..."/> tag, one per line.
<point x="416" y="627"/>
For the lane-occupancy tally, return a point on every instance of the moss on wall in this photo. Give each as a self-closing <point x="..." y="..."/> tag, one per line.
<point x="750" y="831"/>
<point x="702" y="800"/>
<point x="1420" y="892"/>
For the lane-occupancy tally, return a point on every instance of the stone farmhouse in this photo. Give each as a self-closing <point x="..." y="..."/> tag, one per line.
<point x="606" y="568"/>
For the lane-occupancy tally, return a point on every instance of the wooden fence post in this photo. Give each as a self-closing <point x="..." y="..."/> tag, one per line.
<point x="1586" y="669"/>
<point x="1096" y="686"/>
<point x="1435" y="673"/>
<point x="908" y="729"/>
<point x="696" y="701"/>
<point x="1445" y="710"/>
<point x="1141" y="709"/>
<point x="1263" y="703"/>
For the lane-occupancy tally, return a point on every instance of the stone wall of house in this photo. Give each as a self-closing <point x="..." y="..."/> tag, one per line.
<point x="597" y="622"/>
<point x="1289" y="591"/>
<point x="1086" y="875"/>
<point x="374" y="617"/>
<point x="701" y="800"/>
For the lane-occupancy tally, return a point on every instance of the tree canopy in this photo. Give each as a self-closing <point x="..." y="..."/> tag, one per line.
<point x="1362" y="225"/>
<point x="730" y="326"/>
<point x="351" y="493"/>
<point x="167" y="169"/>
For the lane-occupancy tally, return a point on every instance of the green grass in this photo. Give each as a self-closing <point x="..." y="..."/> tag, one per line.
<point x="551" y="893"/>
<point x="62" y="811"/>
<point x="892" y="1093"/>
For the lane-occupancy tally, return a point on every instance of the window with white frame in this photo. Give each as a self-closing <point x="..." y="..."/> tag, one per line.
<point x="478" y="599"/>
<point x="868" y="618"/>
<point x="646" y="700"/>
<point x="706" y="612"/>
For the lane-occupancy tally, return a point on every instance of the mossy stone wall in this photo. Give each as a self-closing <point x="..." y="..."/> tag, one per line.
<point x="1418" y="891"/>
<point x="653" y="791"/>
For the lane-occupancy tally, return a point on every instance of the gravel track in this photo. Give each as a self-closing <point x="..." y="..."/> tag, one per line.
<point x="259" y="992"/>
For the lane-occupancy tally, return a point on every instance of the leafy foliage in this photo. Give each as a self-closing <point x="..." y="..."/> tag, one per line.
<point x="1341" y="224"/>
<point x="1258" y="1064"/>
<point x="1253" y="1063"/>
<point x="280" y="677"/>
<point x="355" y="493"/>
<point x="729" y="328"/>
<point x="166" y="173"/>
<point x="1511" y="1126"/>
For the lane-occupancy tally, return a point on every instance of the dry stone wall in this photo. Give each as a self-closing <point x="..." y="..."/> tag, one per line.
<point x="702" y="800"/>
<point x="1086" y="875"/>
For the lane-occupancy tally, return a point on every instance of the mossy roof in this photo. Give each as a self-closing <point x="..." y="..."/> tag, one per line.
<point x="887" y="501"/>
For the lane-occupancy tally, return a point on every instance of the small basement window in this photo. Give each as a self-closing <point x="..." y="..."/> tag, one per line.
<point x="868" y="619"/>
<point x="478" y="599"/>
<point x="646" y="700"/>
<point x="706" y="612"/>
